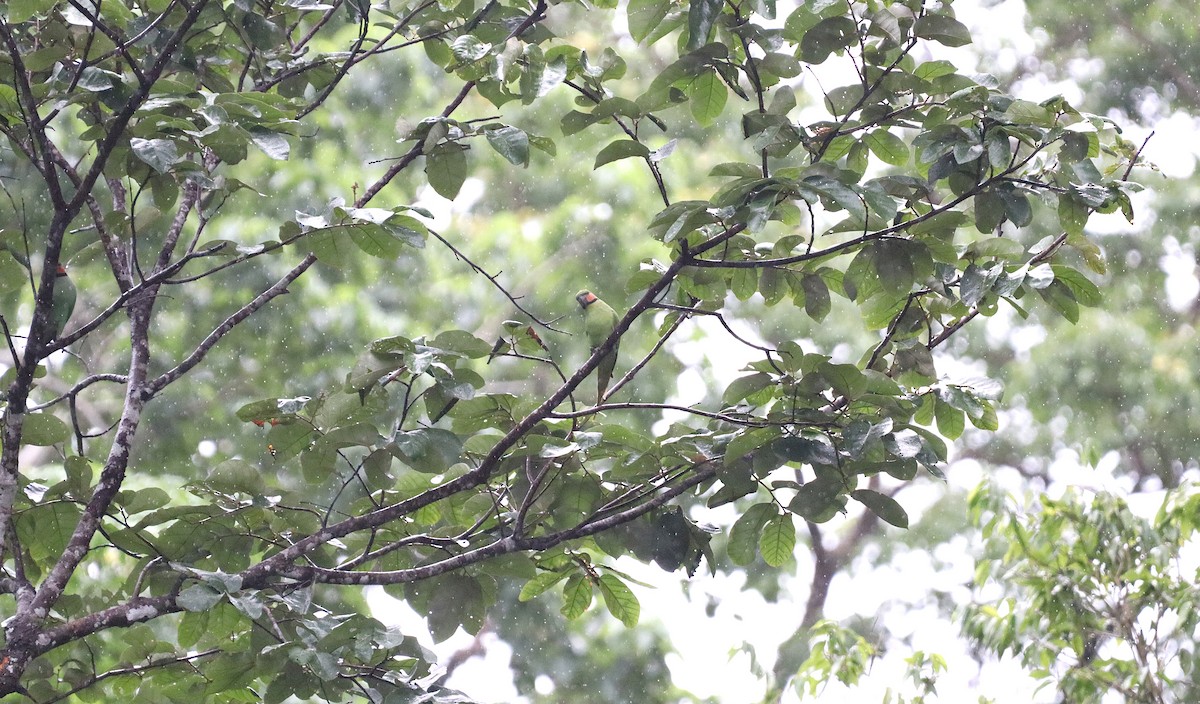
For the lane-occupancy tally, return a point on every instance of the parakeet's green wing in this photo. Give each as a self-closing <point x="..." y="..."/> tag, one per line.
<point x="599" y="319"/>
<point x="64" y="301"/>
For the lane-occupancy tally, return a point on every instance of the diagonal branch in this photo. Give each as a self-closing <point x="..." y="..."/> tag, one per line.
<point x="227" y="326"/>
<point x="684" y="314"/>
<point x="134" y="670"/>
<point x="492" y="278"/>
<point x="502" y="546"/>
<point x="536" y="15"/>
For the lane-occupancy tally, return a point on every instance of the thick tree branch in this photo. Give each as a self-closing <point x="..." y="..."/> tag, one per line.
<point x="502" y="546"/>
<point x="137" y="610"/>
<point x="258" y="574"/>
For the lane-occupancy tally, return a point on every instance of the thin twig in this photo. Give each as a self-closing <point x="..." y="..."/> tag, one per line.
<point x="493" y="279"/>
<point x="658" y="345"/>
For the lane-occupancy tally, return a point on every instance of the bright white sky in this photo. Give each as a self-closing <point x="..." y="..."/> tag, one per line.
<point x="707" y="663"/>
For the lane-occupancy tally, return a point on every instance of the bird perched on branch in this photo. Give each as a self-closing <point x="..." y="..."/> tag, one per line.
<point x="599" y="320"/>
<point x="63" y="303"/>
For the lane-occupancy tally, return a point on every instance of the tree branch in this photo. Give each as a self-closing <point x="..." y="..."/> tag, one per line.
<point x="228" y="325"/>
<point x="502" y="546"/>
<point x="133" y="670"/>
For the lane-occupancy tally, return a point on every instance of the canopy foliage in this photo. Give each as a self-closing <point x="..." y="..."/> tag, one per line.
<point x="227" y="462"/>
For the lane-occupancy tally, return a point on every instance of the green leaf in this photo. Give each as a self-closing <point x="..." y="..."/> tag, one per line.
<point x="541" y="583"/>
<point x="22" y="10"/>
<point x="620" y="149"/>
<point x="778" y="540"/>
<point x="942" y="29"/>
<point x="271" y="143"/>
<point x="816" y="297"/>
<point x="934" y="69"/>
<point x="888" y="147"/>
<point x="450" y="601"/>
<point x="1091" y="253"/>
<point x="784" y="66"/>
<point x="469" y="48"/>
<point x="736" y="169"/>
<point x="1084" y="291"/>
<point x="446" y="167"/>
<point x="744" y="283"/>
<point x="620" y="599"/>
<point x="924" y="412"/>
<point x="644" y="15"/>
<point x="916" y="360"/>
<point x="841" y="194"/>
<point x="430" y="450"/>
<point x="235" y="475"/>
<point x="1023" y="112"/>
<point x="44" y="429"/>
<point x="576" y="121"/>
<point x="988" y="420"/>
<point x="746" y="532"/>
<point x="1062" y="299"/>
<point x="372" y="239"/>
<point x="737" y="480"/>
<point x="807" y="450"/>
<point x="228" y="672"/>
<point x="707" y="95"/>
<point x="903" y="443"/>
<point x="511" y="143"/>
<point x="829" y="35"/>
<point x="577" y="596"/>
<point x="1001" y="247"/>
<point x="950" y="421"/>
<point x="976" y="282"/>
<point x="96" y="80"/>
<point x="1016" y="206"/>
<point x="773" y="285"/>
<point x="143" y="500"/>
<point x="747" y="441"/>
<point x="846" y="379"/>
<point x="160" y="154"/>
<point x="552" y="75"/>
<point x="894" y="266"/>
<point x="818" y="500"/>
<point x="883" y="506"/>
<point x="745" y="386"/>
<point x="198" y="597"/>
<point x="45" y="529"/>
<point x="192" y="627"/>
<point x="701" y="16"/>
<point x="462" y="342"/>
<point x="859" y="433"/>
<point x="989" y="211"/>
<point x="12" y="274"/>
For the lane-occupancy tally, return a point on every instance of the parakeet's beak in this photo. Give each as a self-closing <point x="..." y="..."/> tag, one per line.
<point x="586" y="298"/>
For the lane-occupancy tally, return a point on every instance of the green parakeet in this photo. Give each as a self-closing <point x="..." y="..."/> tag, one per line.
<point x="599" y="319"/>
<point x="64" y="301"/>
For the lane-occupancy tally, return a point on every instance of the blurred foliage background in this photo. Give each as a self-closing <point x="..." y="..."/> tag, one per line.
<point x="1110" y="403"/>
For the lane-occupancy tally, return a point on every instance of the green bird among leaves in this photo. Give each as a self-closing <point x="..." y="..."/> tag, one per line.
<point x="64" y="301"/>
<point x="599" y="320"/>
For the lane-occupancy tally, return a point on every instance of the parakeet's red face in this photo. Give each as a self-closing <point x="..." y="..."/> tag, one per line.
<point x="585" y="298"/>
